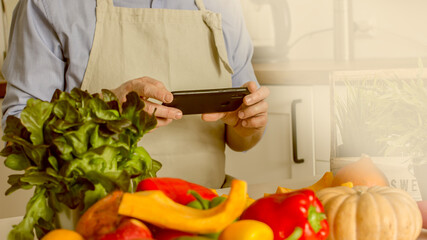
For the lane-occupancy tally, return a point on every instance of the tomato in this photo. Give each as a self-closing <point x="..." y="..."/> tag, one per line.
<point x="128" y="229"/>
<point x="247" y="230"/>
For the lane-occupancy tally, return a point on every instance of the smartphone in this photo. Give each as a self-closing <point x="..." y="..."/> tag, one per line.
<point x="208" y="100"/>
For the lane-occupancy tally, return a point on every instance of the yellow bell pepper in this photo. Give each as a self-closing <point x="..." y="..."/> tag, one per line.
<point x="247" y="230"/>
<point x="156" y="208"/>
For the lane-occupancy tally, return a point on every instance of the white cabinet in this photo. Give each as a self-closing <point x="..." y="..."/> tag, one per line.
<point x="272" y="159"/>
<point x="322" y="127"/>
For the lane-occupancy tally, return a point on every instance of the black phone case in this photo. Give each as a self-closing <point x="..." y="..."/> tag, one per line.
<point x="208" y="100"/>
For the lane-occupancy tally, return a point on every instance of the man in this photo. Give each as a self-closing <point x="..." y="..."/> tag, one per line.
<point x="151" y="47"/>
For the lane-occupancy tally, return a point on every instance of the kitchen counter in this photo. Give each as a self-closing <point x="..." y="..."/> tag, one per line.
<point x="316" y="72"/>
<point x="6" y="226"/>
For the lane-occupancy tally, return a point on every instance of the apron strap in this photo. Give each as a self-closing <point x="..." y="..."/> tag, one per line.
<point x="200" y="5"/>
<point x="104" y="3"/>
<point x="212" y="20"/>
<point x="214" y="25"/>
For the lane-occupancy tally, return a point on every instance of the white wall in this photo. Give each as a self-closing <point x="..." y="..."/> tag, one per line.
<point x="399" y="28"/>
<point x="383" y="28"/>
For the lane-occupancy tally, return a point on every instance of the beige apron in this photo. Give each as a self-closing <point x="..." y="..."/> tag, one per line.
<point x="184" y="49"/>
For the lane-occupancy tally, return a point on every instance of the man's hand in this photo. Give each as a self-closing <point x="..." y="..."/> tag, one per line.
<point x="246" y="125"/>
<point x="147" y="88"/>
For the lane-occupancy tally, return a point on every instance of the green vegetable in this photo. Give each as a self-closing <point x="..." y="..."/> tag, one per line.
<point x="37" y="208"/>
<point x="216" y="201"/>
<point x="202" y="203"/>
<point x="75" y="150"/>
<point x="205" y="204"/>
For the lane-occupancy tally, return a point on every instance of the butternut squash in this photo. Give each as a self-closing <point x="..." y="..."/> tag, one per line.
<point x="156" y="208"/>
<point x="361" y="173"/>
<point x="367" y="213"/>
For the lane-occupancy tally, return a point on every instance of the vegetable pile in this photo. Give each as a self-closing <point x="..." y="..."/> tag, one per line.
<point x="80" y="151"/>
<point x="161" y="209"/>
<point x="75" y="150"/>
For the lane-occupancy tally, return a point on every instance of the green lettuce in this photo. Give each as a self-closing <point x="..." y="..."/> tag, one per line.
<point x="74" y="150"/>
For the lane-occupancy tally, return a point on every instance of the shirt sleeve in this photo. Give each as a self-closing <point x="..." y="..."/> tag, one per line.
<point x="34" y="65"/>
<point x="239" y="43"/>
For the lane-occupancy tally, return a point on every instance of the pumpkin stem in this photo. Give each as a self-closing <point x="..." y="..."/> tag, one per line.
<point x="314" y="218"/>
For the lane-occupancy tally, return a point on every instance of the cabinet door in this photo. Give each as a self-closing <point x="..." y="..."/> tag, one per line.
<point x="272" y="159"/>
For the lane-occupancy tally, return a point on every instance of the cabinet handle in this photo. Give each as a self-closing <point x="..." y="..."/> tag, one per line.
<point x="294" y="132"/>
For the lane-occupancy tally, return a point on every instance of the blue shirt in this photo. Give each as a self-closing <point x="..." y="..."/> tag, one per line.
<point x="50" y="42"/>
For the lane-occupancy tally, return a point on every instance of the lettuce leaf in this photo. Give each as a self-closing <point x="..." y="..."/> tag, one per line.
<point x="37" y="209"/>
<point x="74" y="150"/>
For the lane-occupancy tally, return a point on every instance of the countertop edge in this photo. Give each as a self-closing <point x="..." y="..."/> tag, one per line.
<point x="317" y="72"/>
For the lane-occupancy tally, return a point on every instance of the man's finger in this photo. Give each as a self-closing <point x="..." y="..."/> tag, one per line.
<point x="163" y="122"/>
<point x="253" y="110"/>
<point x="162" y="111"/>
<point x="212" y="117"/>
<point x="150" y="88"/>
<point x="259" y="121"/>
<point x="257" y="96"/>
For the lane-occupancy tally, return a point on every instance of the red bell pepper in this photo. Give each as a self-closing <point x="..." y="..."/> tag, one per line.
<point x="291" y="216"/>
<point x="176" y="189"/>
